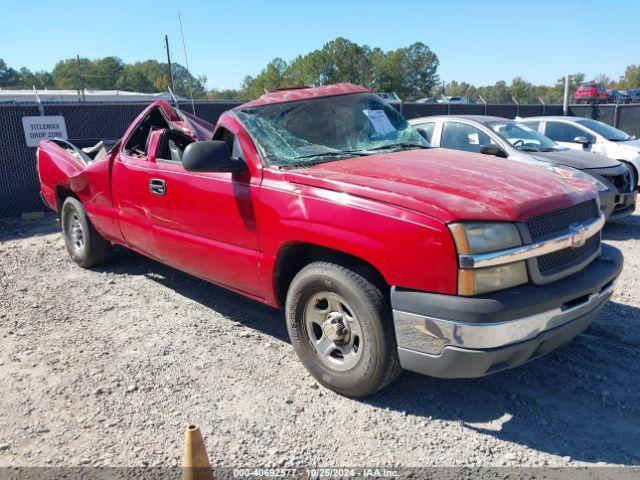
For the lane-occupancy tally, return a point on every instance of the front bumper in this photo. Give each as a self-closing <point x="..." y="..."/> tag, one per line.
<point x="617" y="205"/>
<point x="462" y="337"/>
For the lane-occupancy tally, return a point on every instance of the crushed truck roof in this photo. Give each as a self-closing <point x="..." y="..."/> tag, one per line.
<point x="304" y="93"/>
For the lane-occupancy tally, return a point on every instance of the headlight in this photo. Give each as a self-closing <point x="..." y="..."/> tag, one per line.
<point x="568" y="172"/>
<point x="481" y="237"/>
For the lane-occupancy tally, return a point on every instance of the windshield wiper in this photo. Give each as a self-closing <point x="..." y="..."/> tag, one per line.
<point x="394" y="145"/>
<point x="341" y="153"/>
<point x="348" y="153"/>
<point x="529" y="149"/>
<point x="619" y="139"/>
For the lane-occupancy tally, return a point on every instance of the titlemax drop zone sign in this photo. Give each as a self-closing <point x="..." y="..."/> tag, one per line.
<point x="43" y="128"/>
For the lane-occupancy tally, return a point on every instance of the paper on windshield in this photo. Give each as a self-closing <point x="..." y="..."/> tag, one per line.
<point x="380" y="121"/>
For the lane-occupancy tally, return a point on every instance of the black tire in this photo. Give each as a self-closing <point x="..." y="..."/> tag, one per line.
<point x="88" y="250"/>
<point x="378" y="362"/>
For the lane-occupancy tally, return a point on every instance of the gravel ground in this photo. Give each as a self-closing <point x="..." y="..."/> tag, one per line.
<point x="107" y="367"/>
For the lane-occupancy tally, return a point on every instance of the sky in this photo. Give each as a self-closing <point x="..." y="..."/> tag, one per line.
<point x="477" y="42"/>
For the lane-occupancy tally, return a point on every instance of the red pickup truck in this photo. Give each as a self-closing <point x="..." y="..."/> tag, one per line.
<point x="384" y="252"/>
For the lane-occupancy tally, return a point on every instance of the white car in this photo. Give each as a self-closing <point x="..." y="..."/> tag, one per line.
<point x="389" y="97"/>
<point x="590" y="135"/>
<point x="456" y="100"/>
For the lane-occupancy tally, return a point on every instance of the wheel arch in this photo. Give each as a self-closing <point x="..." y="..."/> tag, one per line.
<point x="295" y="256"/>
<point x="62" y="193"/>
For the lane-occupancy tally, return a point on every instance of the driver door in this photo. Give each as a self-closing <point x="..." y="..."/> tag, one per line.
<point x="205" y="223"/>
<point x="132" y="179"/>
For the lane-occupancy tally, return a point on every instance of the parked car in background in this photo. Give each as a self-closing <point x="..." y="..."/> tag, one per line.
<point x="506" y="138"/>
<point x="591" y="91"/>
<point x="585" y="134"/>
<point x="618" y="96"/>
<point x="384" y="252"/>
<point x="389" y="97"/>
<point x="446" y="99"/>
<point x="634" y="95"/>
<point x="427" y="100"/>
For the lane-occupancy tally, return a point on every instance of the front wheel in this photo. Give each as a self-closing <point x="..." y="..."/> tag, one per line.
<point x="341" y="328"/>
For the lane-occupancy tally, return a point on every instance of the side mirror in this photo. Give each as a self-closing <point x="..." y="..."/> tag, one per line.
<point x="582" y="141"/>
<point x="210" y="156"/>
<point x="492" y="149"/>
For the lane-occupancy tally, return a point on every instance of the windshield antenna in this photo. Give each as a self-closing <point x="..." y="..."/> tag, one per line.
<point x="186" y="61"/>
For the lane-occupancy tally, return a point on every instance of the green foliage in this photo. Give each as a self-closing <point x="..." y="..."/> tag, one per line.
<point x="105" y="74"/>
<point x="524" y="92"/>
<point x="9" y="77"/>
<point x="270" y="78"/>
<point x="410" y="71"/>
<point x="229" y="94"/>
<point x="631" y="77"/>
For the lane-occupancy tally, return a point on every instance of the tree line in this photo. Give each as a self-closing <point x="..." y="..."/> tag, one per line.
<point x="105" y="74"/>
<point x="411" y="72"/>
<point x="526" y="92"/>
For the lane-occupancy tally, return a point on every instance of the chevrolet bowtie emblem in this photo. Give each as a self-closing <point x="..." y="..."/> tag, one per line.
<point x="578" y="235"/>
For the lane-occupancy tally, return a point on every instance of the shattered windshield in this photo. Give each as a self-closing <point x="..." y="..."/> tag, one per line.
<point x="308" y="132"/>
<point x="523" y="138"/>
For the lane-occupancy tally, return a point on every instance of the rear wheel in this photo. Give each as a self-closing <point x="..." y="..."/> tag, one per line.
<point x="341" y="329"/>
<point x="84" y="244"/>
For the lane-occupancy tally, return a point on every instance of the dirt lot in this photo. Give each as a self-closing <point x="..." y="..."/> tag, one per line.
<point x="107" y="367"/>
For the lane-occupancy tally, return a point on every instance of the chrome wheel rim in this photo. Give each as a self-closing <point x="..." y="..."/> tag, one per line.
<point x="333" y="330"/>
<point x="75" y="233"/>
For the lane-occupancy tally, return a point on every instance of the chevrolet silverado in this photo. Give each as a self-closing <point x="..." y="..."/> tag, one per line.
<point x="384" y="252"/>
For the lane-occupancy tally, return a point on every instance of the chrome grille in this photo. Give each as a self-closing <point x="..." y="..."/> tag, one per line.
<point x="556" y="261"/>
<point x="552" y="266"/>
<point x="558" y="221"/>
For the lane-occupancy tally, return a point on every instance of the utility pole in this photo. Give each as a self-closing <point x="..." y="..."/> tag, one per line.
<point x="79" y="80"/>
<point x="565" y="103"/>
<point x="166" y="43"/>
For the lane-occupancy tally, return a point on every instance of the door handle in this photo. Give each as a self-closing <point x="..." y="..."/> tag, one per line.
<point x="157" y="186"/>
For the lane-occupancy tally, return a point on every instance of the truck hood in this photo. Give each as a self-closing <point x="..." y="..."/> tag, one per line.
<point x="576" y="159"/>
<point x="448" y="185"/>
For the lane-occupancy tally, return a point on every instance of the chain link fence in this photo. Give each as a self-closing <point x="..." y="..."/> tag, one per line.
<point x="19" y="189"/>
<point x="625" y="117"/>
